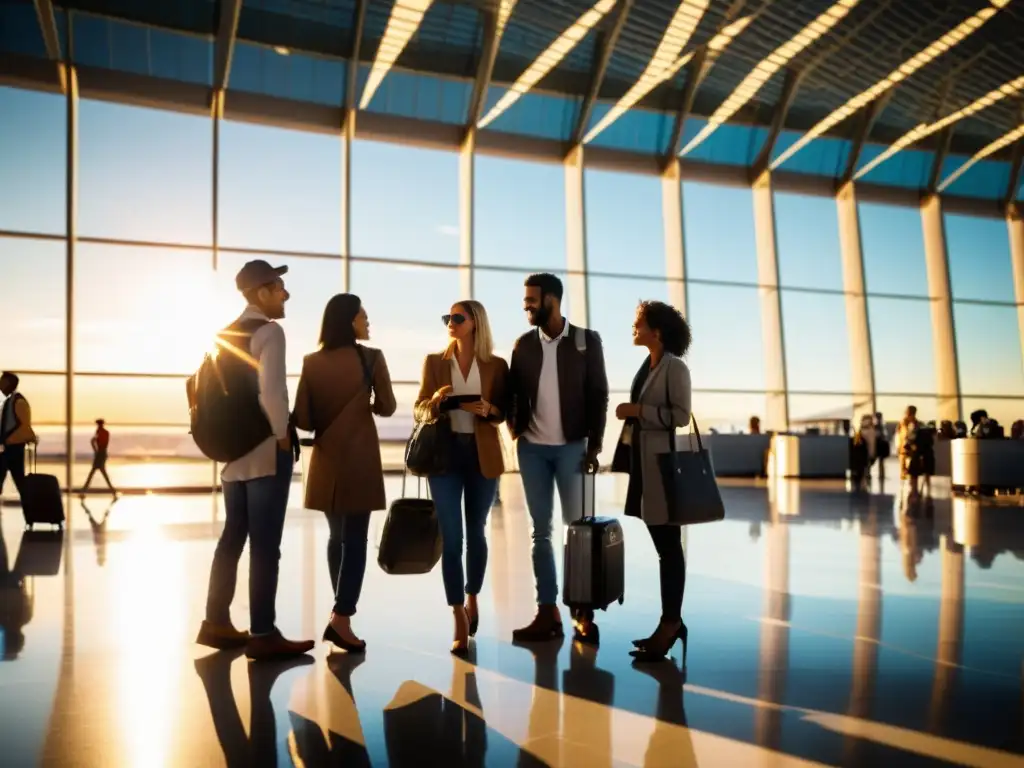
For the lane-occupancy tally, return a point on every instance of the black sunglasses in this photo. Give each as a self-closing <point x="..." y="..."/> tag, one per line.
<point x="457" y="319"/>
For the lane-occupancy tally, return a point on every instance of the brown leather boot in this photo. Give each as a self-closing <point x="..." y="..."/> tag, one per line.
<point x="221" y="636"/>
<point x="546" y="625"/>
<point x="275" y="646"/>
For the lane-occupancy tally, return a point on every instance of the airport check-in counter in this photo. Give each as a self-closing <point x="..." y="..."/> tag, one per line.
<point x="737" y="455"/>
<point x="810" y="456"/>
<point x="986" y="463"/>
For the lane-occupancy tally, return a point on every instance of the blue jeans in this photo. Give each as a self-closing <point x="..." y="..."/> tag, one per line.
<point x="542" y="468"/>
<point x="346" y="559"/>
<point x="463" y="477"/>
<point x="253" y="510"/>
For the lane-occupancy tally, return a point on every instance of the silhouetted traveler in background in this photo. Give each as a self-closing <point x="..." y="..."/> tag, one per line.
<point x="658" y="400"/>
<point x="883" y="447"/>
<point x="946" y="430"/>
<point x="911" y="464"/>
<point x="100" y="443"/>
<point x="256" y="486"/>
<point x="342" y="386"/>
<point x="755" y="425"/>
<point x="558" y="404"/>
<point x="468" y="383"/>
<point x="15" y="431"/>
<point x="960" y="428"/>
<point x="1017" y="430"/>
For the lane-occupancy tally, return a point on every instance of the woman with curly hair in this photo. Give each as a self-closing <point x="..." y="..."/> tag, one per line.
<point x="659" y="401"/>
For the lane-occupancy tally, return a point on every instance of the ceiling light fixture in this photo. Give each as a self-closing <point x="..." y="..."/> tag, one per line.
<point x="280" y="49"/>
<point x="767" y="67"/>
<point x="406" y="17"/>
<point x="1001" y="143"/>
<point x="924" y="130"/>
<point x="949" y="40"/>
<point x="549" y="59"/>
<point x="658" y="71"/>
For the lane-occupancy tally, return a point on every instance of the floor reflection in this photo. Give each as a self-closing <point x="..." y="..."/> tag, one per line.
<point x="825" y="629"/>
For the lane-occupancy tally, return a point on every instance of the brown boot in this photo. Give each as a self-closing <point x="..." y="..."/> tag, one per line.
<point x="546" y="625"/>
<point x="274" y="646"/>
<point x="221" y="636"/>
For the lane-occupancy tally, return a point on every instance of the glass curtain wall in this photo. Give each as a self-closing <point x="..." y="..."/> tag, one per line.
<point x="154" y="272"/>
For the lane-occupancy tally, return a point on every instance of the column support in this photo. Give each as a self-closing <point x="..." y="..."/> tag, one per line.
<point x="675" y="247"/>
<point x="1015" y="223"/>
<point x="217" y="114"/>
<point x="857" y="328"/>
<point x="776" y="405"/>
<point x="947" y="377"/>
<point x="347" y="135"/>
<point x="71" y="214"/>
<point x="576" y="238"/>
<point x="467" y="181"/>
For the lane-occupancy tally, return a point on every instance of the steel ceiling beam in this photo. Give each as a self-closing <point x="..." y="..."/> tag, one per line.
<point x="224" y="45"/>
<point x="867" y="121"/>
<point x="790" y="86"/>
<point x="48" y="26"/>
<point x="603" y="54"/>
<point x="695" y="72"/>
<point x="1016" y="167"/>
<point x="485" y="68"/>
<point x="358" y="22"/>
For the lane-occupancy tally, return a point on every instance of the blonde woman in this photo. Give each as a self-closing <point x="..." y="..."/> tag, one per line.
<point x="465" y="384"/>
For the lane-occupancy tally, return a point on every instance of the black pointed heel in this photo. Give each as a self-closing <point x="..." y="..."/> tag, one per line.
<point x="459" y="650"/>
<point x="648" y="653"/>
<point x="474" y="625"/>
<point x="331" y="636"/>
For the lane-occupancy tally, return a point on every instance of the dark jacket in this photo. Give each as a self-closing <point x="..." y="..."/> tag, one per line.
<point x="582" y="383"/>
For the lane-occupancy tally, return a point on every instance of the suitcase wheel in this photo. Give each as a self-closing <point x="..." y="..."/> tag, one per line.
<point x="591" y="637"/>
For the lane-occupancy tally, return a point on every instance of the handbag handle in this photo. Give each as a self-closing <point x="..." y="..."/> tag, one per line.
<point x="672" y="423"/>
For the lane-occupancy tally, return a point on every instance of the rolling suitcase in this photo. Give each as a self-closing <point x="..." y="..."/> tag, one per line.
<point x="594" y="565"/>
<point x="41" y="501"/>
<point x="411" y="540"/>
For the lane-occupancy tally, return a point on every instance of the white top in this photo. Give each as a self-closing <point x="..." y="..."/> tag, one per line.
<point x="268" y="348"/>
<point x="463" y="421"/>
<point x="546" y="421"/>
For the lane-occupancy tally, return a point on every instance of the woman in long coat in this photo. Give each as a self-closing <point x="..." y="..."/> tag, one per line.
<point x="342" y="386"/>
<point x="659" y="403"/>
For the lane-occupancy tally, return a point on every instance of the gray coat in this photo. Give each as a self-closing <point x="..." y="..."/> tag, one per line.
<point x="642" y="442"/>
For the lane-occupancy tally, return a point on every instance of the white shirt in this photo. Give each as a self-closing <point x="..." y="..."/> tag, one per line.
<point x="268" y="348"/>
<point x="546" y="421"/>
<point x="462" y="421"/>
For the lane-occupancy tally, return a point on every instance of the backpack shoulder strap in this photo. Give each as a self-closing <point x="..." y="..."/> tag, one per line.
<point x="581" y="340"/>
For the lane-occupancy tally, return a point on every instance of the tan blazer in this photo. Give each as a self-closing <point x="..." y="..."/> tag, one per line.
<point x="345" y="474"/>
<point x="437" y="373"/>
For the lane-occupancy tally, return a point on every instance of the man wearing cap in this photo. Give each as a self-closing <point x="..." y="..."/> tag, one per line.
<point x="256" y="486"/>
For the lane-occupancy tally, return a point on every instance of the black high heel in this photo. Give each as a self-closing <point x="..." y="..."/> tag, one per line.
<point x="474" y="625"/>
<point x="331" y="636"/>
<point x="649" y="653"/>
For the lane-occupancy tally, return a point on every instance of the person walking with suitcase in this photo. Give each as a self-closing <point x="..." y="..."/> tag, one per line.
<point x="557" y="409"/>
<point x="659" y="399"/>
<point x="468" y="383"/>
<point x="343" y="386"/>
<point x="257" y="484"/>
<point x="15" y="432"/>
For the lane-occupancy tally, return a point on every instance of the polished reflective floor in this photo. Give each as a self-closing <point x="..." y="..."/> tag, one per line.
<point x="825" y="629"/>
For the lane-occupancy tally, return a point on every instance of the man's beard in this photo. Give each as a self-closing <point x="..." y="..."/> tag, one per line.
<point x="540" y="316"/>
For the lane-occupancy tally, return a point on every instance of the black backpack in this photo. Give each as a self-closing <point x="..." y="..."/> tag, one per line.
<point x="226" y="417"/>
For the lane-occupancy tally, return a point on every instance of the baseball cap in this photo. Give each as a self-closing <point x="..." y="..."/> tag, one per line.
<point x="256" y="274"/>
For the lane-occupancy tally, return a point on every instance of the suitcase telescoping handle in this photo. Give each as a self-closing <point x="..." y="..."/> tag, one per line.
<point x="586" y="472"/>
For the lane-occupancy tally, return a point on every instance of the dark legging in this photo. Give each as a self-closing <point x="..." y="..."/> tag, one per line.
<point x="669" y="544"/>
<point x="346" y="559"/>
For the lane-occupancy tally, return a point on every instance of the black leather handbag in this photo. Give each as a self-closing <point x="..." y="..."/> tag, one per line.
<point x="429" y="449"/>
<point x="411" y="541"/>
<point x="688" y="478"/>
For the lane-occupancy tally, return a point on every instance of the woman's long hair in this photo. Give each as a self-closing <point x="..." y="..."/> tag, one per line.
<point x="336" y="331"/>
<point x="483" y="341"/>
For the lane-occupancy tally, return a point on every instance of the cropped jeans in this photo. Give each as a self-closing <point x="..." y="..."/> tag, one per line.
<point x="463" y="480"/>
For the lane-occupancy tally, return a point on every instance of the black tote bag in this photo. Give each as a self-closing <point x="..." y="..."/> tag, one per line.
<point x="411" y="541"/>
<point x="688" y="479"/>
<point x="428" y="451"/>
